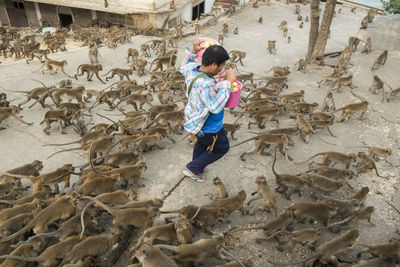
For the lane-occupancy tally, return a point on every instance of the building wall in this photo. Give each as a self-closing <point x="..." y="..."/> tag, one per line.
<point x="31" y="14"/>
<point x="208" y="6"/>
<point x="3" y="13"/>
<point x="49" y="13"/>
<point x="187" y="12"/>
<point x="82" y="17"/>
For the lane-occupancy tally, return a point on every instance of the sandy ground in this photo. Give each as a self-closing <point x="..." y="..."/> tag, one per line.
<point x="22" y="144"/>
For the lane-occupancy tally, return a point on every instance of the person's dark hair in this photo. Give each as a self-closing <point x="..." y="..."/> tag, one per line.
<point x="214" y="54"/>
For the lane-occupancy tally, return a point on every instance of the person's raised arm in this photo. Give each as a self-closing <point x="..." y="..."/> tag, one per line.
<point x="189" y="57"/>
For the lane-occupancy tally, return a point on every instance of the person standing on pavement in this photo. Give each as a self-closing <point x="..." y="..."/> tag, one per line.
<point x="204" y="111"/>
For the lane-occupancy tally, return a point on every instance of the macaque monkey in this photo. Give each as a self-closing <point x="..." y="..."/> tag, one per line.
<point x="145" y="49"/>
<point x="260" y="20"/>
<point x="378" y="84"/>
<point x="231" y="128"/>
<point x="301" y="25"/>
<point x="367" y="163"/>
<point x="329" y="103"/>
<point x="50" y="64"/>
<point x="361" y="195"/>
<point x="350" y="221"/>
<point x="221" y="39"/>
<point x="152" y="256"/>
<point x="289" y="39"/>
<point x="264" y="141"/>
<point x="172" y="5"/>
<point x="39" y="54"/>
<point x="13" y="111"/>
<point x="271" y="46"/>
<point x="295" y="97"/>
<point x="368" y="46"/>
<point x="230" y="203"/>
<point x="173" y="119"/>
<point x="264" y="192"/>
<point x="8" y="213"/>
<point x="167" y="60"/>
<point x="90" y="70"/>
<point x="56" y="115"/>
<point x="94" y="55"/>
<point x="380" y="61"/>
<point x="283" y="24"/>
<point x="255" y="4"/>
<point x="237" y="56"/>
<point x="225" y="30"/>
<point x="132" y="53"/>
<point x="100" y="185"/>
<point x="285" y="31"/>
<point x="371" y="15"/>
<point x="297" y="11"/>
<point x="262" y="116"/>
<point x="306" y="19"/>
<point x="197" y="28"/>
<point x="280" y="71"/>
<point x="335" y="157"/>
<point x="299" y="18"/>
<point x="353" y="43"/>
<point x="364" y="23"/>
<point x="327" y="251"/>
<point x="301" y="65"/>
<point x="284" y="180"/>
<point x="220" y="187"/>
<point x="349" y="109"/>
<point x="314" y="210"/>
<point x="347" y="81"/>
<point x="138" y="100"/>
<point x="139" y="66"/>
<point x="120" y="72"/>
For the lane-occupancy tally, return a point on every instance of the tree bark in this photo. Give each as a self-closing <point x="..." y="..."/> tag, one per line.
<point x="319" y="48"/>
<point x="314" y="27"/>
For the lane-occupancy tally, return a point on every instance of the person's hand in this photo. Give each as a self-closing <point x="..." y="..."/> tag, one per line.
<point x="231" y="75"/>
<point x="196" y="46"/>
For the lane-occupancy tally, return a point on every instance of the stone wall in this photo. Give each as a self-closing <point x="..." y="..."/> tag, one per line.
<point x="3" y="13"/>
<point x="49" y="14"/>
<point x="82" y="17"/>
<point x="31" y="15"/>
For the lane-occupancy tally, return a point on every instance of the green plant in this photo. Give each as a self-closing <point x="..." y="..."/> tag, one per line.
<point x="392" y="6"/>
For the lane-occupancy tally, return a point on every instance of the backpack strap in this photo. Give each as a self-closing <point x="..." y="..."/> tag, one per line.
<point x="203" y="75"/>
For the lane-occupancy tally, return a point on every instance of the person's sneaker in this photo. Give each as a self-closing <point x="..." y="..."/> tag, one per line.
<point x="197" y="178"/>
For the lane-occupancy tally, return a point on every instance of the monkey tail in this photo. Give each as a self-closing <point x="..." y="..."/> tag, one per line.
<point x="101" y="204"/>
<point x="245" y="141"/>
<point x="106" y="74"/>
<point x="269" y="70"/>
<point x="70" y="143"/>
<point x="179" y="141"/>
<point x="83" y="220"/>
<point x="173" y="248"/>
<point x="36" y="237"/>
<point x="39" y="68"/>
<point x="316" y="155"/>
<point x="27" y="227"/>
<point x="77" y="69"/>
<point x="65" y="150"/>
<point x="273" y="163"/>
<point x="326" y="142"/>
<point x="195" y="215"/>
<point x="15" y="257"/>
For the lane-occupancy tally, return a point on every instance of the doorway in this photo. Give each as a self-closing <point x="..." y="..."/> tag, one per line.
<point x="65" y="16"/>
<point x="197" y="10"/>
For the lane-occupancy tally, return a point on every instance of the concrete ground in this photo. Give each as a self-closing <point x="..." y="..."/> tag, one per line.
<point x="22" y="144"/>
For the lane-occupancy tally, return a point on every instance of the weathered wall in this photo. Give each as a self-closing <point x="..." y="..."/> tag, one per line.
<point x="31" y="15"/>
<point x="3" y="13"/>
<point x="49" y="13"/>
<point x="82" y="17"/>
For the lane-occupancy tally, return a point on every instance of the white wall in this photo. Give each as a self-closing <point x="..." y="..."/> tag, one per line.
<point x="208" y="5"/>
<point x="187" y="12"/>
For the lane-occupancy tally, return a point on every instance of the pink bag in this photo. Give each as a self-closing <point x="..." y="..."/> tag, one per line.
<point x="205" y="42"/>
<point x="234" y="98"/>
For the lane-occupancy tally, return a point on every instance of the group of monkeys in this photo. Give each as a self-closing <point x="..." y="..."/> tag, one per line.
<point x="54" y="229"/>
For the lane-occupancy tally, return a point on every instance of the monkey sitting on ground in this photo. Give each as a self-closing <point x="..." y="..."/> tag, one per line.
<point x="90" y="70"/>
<point x="132" y="53"/>
<point x="301" y="65"/>
<point x="220" y="187"/>
<point x="271" y="47"/>
<point x="94" y="55"/>
<point x="264" y="192"/>
<point x="329" y="103"/>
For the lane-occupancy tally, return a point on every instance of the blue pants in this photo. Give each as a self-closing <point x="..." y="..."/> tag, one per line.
<point x="202" y="157"/>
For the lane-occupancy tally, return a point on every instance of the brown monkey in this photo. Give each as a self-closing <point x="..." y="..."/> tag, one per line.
<point x="117" y="197"/>
<point x="283" y="180"/>
<point x="378" y="84"/>
<point x="364" y="23"/>
<point x="315" y="210"/>
<point x="329" y="103"/>
<point x="301" y="25"/>
<point x="361" y="195"/>
<point x="349" y="109"/>
<point x="271" y="47"/>
<point x="221" y="39"/>
<point x="368" y="163"/>
<point x="323" y="124"/>
<point x="201" y="250"/>
<point x="120" y="72"/>
<point x="30" y="169"/>
<point x="8" y="213"/>
<point x="327" y="251"/>
<point x="323" y="116"/>
<point x="230" y="203"/>
<point x="137" y="217"/>
<point x="380" y="261"/>
<point x="353" y="43"/>
<point x="344" y="207"/>
<point x="132" y="53"/>
<point x="380" y="61"/>
<point x="299" y="17"/>
<point x="168" y="60"/>
<point x="155" y="110"/>
<point x="280" y="71"/>
<point x="347" y="81"/>
<point x="52" y="254"/>
<point x="304" y="108"/>
<point x="260" y="20"/>
<point x="306" y="19"/>
<point x="368" y="46"/>
<point x="94" y="55"/>
<point x="225" y="30"/>
<point x="246" y="77"/>
<point x="280" y="222"/>
<point x="138" y="100"/>
<point x="90" y="70"/>
<point x="264" y="191"/>
<point x="232" y="128"/>
<point x="236" y="31"/>
<point x="283" y="24"/>
<point x="152" y="256"/>
<point x="129" y="172"/>
<point x="333" y="173"/>
<point x="41" y="195"/>
<point x="264" y="141"/>
<point x="295" y="97"/>
<point x="336" y="157"/>
<point x="13" y="111"/>
<point x="100" y="185"/>
<point x="301" y="65"/>
<point x="172" y="119"/>
<point x="155" y="203"/>
<point x="289" y="39"/>
<point x="145" y="49"/>
<point x="62" y="208"/>
<point x="50" y="64"/>
<point x="220" y="187"/>
<point x="361" y="214"/>
<point x="237" y="56"/>
<point x="118" y="158"/>
<point x="262" y="116"/>
<point x="285" y="31"/>
<point x="388" y="249"/>
<point x="39" y="54"/>
<point x="57" y="115"/>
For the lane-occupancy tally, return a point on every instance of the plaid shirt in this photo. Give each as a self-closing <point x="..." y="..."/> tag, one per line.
<point x="206" y="95"/>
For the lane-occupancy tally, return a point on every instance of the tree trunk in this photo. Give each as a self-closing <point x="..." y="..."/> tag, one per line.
<point x="319" y="48"/>
<point x="314" y="21"/>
